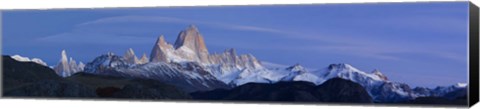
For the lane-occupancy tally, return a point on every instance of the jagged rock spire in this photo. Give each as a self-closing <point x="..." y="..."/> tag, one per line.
<point x="190" y="46"/>
<point x="64" y="56"/>
<point x="189" y="37"/>
<point x="159" y="50"/>
<point x="143" y="59"/>
<point x="161" y="41"/>
<point x="130" y="56"/>
<point x="66" y="67"/>
<point x="62" y="67"/>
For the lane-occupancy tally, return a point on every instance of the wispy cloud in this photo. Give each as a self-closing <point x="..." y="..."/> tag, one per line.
<point x="82" y="33"/>
<point x="253" y="28"/>
<point x="92" y="38"/>
<point x="161" y="19"/>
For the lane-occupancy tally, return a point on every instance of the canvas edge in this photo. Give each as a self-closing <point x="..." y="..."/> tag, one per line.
<point x="473" y="82"/>
<point x="473" y="85"/>
<point x="1" y="52"/>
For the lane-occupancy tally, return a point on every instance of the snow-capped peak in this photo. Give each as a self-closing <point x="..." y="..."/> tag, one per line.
<point x="296" y="68"/>
<point x="20" y="58"/>
<point x="81" y="65"/>
<point x="347" y="71"/>
<point x="342" y="66"/>
<point x="110" y="53"/>
<point x="26" y="59"/>
<point x="461" y="85"/>
<point x="39" y="61"/>
<point x="379" y="74"/>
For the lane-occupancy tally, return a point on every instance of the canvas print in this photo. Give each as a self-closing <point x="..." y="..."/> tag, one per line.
<point x="374" y="53"/>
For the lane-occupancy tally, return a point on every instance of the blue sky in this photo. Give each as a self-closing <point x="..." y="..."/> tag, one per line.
<point x="421" y="44"/>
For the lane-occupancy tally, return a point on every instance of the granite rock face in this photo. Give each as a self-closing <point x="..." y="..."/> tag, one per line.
<point x="190" y="47"/>
<point x="161" y="50"/>
<point x="66" y="67"/>
<point x="143" y="59"/>
<point x="190" y="40"/>
<point x="130" y="56"/>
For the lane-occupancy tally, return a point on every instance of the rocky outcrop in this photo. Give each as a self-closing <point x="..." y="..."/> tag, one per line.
<point x="131" y="58"/>
<point x="380" y="74"/>
<point x="74" y="67"/>
<point x="106" y="64"/>
<point x="231" y="59"/>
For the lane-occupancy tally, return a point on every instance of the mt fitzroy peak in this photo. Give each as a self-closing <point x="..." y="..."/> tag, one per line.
<point x="189" y="46"/>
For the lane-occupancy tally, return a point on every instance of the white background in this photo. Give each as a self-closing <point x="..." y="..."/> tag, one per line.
<point x="104" y="104"/>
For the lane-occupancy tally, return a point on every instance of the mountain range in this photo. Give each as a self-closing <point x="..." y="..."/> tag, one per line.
<point x="188" y="65"/>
